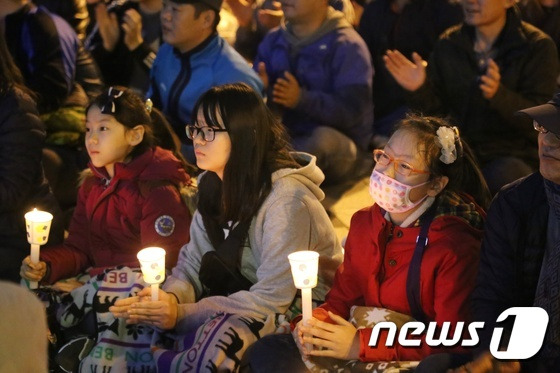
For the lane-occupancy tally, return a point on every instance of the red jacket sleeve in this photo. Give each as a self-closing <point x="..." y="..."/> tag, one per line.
<point x="70" y="258"/>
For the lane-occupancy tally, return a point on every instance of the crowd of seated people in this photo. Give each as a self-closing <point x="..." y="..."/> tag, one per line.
<point x="136" y="124"/>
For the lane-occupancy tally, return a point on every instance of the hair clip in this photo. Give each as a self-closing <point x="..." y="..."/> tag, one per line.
<point x="447" y="137"/>
<point x="112" y="94"/>
<point x="149" y="105"/>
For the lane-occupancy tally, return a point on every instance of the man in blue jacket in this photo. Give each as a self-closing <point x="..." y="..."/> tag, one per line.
<point x="193" y="59"/>
<point x="318" y="75"/>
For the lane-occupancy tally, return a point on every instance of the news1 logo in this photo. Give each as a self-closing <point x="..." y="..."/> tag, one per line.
<point x="526" y="339"/>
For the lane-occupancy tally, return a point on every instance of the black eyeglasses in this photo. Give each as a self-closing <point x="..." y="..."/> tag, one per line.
<point x="208" y="133"/>
<point x="543" y="130"/>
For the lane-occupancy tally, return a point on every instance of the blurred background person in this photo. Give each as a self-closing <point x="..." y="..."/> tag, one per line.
<point x="480" y="73"/>
<point x="23" y="186"/>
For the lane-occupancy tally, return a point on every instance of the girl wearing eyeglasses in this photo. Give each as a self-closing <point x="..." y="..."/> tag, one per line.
<point x="258" y="202"/>
<point x="413" y="255"/>
<point x="129" y="198"/>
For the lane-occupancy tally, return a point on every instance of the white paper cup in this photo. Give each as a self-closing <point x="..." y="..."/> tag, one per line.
<point x="38" y="225"/>
<point x="152" y="263"/>
<point x="304" y="268"/>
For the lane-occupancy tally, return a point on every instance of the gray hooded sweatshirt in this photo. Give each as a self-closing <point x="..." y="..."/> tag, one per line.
<point x="290" y="219"/>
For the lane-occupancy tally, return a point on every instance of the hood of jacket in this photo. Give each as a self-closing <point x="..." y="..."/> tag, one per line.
<point x="335" y="20"/>
<point x="155" y="164"/>
<point x="309" y="174"/>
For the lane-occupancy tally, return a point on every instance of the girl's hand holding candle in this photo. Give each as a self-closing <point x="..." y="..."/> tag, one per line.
<point x="38" y="225"/>
<point x="32" y="271"/>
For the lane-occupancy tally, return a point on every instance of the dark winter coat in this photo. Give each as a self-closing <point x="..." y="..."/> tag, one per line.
<point x="512" y="251"/>
<point x="22" y="183"/>
<point x="528" y="66"/>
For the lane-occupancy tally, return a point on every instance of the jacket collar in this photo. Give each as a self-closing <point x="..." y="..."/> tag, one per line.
<point x="124" y="171"/>
<point x="200" y="47"/>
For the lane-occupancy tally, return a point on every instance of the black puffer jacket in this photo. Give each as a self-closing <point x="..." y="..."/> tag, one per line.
<point x="512" y="252"/>
<point x="22" y="182"/>
<point x="528" y="67"/>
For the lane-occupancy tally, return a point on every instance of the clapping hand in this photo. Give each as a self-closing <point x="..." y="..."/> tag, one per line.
<point x="490" y="81"/>
<point x="271" y="18"/>
<point x="132" y="27"/>
<point x="409" y="74"/>
<point x="286" y="91"/>
<point x="242" y="10"/>
<point x="108" y="26"/>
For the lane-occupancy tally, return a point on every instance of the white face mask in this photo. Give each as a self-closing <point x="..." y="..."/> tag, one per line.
<point x="392" y="195"/>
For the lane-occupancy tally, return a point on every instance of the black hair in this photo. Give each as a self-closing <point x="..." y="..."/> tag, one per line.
<point x="10" y="75"/>
<point x="464" y="174"/>
<point x="166" y="138"/>
<point x="200" y="7"/>
<point x="130" y="110"/>
<point x="259" y="146"/>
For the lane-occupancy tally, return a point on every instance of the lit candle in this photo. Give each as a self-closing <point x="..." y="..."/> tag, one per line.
<point x="38" y="226"/>
<point x="304" y="266"/>
<point x="152" y="263"/>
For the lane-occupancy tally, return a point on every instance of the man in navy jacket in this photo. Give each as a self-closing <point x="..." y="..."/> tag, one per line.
<point x="519" y="257"/>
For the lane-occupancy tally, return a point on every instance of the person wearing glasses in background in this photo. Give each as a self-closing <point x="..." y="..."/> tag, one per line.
<point x="426" y="225"/>
<point x="258" y="202"/>
<point x="520" y="253"/>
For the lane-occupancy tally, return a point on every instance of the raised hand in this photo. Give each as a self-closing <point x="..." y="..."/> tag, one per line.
<point x="142" y="310"/>
<point x="409" y="74"/>
<point x="132" y="27"/>
<point x="271" y="18"/>
<point x="108" y="26"/>
<point x="242" y="10"/>
<point x="490" y="81"/>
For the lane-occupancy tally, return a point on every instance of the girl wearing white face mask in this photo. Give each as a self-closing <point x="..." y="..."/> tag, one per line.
<point x="412" y="255"/>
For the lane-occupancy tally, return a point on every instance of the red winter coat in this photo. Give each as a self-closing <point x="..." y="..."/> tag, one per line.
<point x="141" y="206"/>
<point x="375" y="269"/>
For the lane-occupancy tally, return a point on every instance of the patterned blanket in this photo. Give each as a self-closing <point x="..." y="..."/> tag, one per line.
<point x="119" y="347"/>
